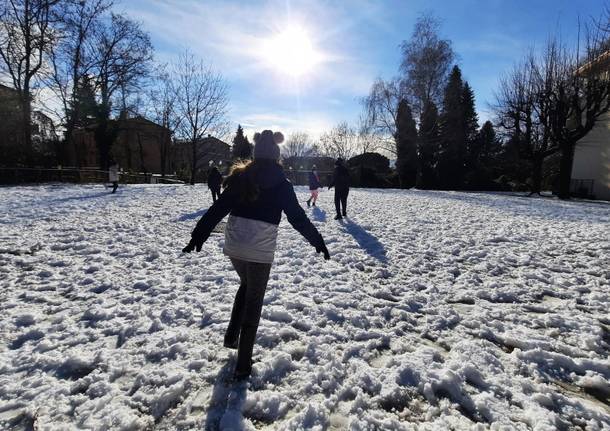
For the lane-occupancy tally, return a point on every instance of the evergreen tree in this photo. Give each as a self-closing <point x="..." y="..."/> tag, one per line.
<point x="427" y="147"/>
<point x="242" y="149"/>
<point x="470" y="125"/>
<point x="470" y="119"/>
<point x="452" y="139"/>
<point x="488" y="146"/>
<point x="83" y="108"/>
<point x="484" y="159"/>
<point x="406" y="145"/>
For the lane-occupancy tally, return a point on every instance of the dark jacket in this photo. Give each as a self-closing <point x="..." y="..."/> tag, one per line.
<point x="341" y="178"/>
<point x="314" y="181"/>
<point x="276" y="195"/>
<point x="214" y="179"/>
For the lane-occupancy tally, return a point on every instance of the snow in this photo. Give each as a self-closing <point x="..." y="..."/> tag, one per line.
<point x="438" y="310"/>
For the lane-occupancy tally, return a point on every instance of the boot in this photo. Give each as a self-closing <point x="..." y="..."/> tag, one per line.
<point x="230" y="342"/>
<point x="243" y="367"/>
<point x="338" y="217"/>
<point x="308" y="202"/>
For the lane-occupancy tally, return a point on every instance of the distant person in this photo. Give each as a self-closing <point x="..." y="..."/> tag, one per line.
<point x="314" y="185"/>
<point x="113" y="176"/>
<point x="256" y="193"/>
<point x="214" y="182"/>
<point x="341" y="184"/>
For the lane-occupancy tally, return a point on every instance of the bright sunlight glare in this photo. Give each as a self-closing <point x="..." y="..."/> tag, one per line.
<point x="291" y="52"/>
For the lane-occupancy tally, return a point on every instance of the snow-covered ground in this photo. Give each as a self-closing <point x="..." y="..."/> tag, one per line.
<point x="438" y="310"/>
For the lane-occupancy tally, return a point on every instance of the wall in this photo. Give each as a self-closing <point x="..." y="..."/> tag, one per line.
<point x="592" y="158"/>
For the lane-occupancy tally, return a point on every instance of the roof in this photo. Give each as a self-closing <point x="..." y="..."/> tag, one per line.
<point x="4" y="87"/>
<point x="123" y="122"/>
<point x="210" y="140"/>
<point x="600" y="64"/>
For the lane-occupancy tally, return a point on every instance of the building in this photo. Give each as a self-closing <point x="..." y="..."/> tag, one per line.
<point x="140" y="146"/>
<point x="208" y="151"/>
<point x="44" y="136"/>
<point x="591" y="166"/>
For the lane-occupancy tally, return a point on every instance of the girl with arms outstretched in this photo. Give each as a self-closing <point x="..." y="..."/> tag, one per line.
<point x="256" y="194"/>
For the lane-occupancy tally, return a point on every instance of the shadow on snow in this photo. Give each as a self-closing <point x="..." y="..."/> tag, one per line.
<point x="366" y="241"/>
<point x="82" y="198"/>
<point x="226" y="404"/>
<point x="192" y="216"/>
<point x="318" y="214"/>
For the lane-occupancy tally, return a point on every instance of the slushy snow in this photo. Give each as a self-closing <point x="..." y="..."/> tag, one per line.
<point x="438" y="310"/>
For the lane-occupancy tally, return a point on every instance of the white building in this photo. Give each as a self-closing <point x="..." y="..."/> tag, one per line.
<point x="591" y="167"/>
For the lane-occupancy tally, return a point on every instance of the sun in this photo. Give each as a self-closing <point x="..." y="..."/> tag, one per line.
<point x="291" y="52"/>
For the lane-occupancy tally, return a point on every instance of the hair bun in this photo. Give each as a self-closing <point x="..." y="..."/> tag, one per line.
<point x="278" y="137"/>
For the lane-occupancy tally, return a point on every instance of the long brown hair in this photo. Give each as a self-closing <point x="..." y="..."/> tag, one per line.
<point x="241" y="177"/>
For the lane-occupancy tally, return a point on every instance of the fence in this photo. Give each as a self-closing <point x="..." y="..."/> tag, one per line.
<point x="75" y="175"/>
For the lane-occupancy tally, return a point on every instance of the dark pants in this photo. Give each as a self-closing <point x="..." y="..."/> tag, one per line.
<point x="247" y="310"/>
<point x="341" y="200"/>
<point x="115" y="185"/>
<point x="215" y="193"/>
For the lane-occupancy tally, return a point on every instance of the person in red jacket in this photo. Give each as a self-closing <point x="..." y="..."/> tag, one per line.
<point x="256" y="194"/>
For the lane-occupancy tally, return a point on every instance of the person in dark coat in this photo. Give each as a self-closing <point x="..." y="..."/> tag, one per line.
<point x="314" y="185"/>
<point x="214" y="182"/>
<point x="256" y="194"/>
<point x="341" y="183"/>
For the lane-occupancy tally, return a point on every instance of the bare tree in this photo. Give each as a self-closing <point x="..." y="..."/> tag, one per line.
<point x="579" y="96"/>
<point x="380" y="112"/>
<point x="163" y="109"/>
<point x="426" y="62"/>
<point x="339" y="142"/>
<point x="522" y="110"/>
<point x="122" y="54"/>
<point x="72" y="61"/>
<point x="551" y="101"/>
<point x="25" y="37"/>
<point x="298" y="144"/>
<point x="202" y="100"/>
<point x="367" y="141"/>
<point x="604" y="21"/>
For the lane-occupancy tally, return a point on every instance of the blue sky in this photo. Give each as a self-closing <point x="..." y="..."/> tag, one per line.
<point x="355" y="41"/>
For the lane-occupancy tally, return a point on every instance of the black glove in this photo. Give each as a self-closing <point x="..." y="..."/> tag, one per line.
<point x="193" y="245"/>
<point x="323" y="249"/>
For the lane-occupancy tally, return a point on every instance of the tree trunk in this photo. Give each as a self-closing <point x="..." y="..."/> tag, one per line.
<point x="536" y="185"/>
<point x="26" y="119"/>
<point x="141" y="148"/>
<point x="193" y="162"/>
<point x="565" y="170"/>
<point x="162" y="156"/>
<point x="69" y="142"/>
